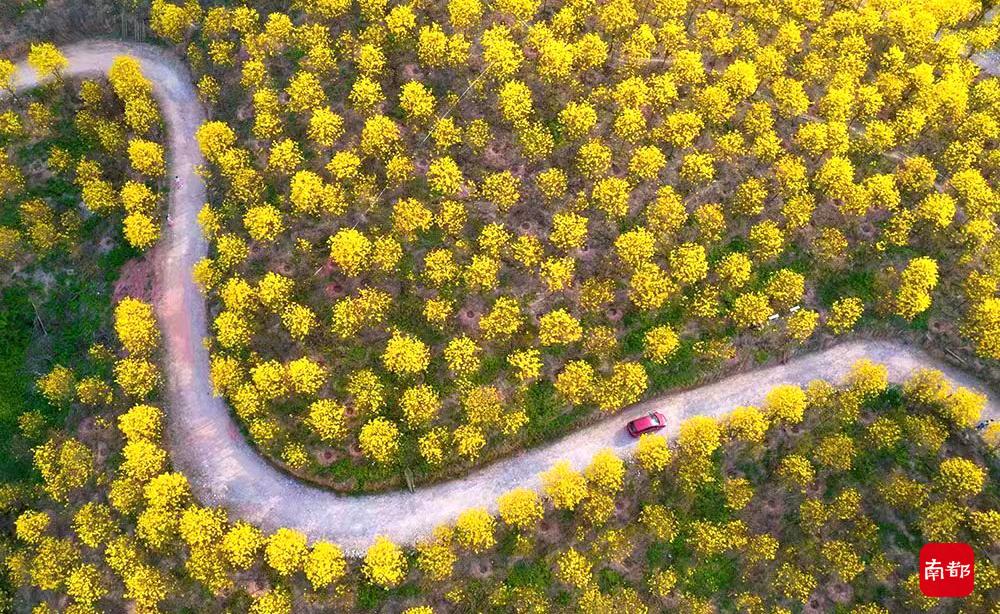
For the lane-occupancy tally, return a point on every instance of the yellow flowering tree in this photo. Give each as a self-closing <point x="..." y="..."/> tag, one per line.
<point x="520" y="508"/>
<point x="565" y="487"/>
<point x="384" y="563"/>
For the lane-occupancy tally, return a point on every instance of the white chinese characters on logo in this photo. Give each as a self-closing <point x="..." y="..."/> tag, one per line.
<point x="958" y="570"/>
<point x="934" y="570"/>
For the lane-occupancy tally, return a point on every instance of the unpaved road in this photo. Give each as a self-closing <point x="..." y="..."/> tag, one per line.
<point x="224" y="470"/>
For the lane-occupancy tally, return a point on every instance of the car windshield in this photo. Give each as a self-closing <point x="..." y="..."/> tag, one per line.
<point x="653" y="419"/>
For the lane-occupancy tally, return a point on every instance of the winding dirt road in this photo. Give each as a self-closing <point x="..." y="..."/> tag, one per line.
<point x="224" y="470"/>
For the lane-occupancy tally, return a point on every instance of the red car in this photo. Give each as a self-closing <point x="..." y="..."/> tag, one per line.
<point x="651" y="422"/>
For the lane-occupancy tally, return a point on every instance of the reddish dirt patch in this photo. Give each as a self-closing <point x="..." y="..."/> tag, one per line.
<point x="839" y="592"/>
<point x="328" y="269"/>
<point x="256" y="587"/>
<point x="354" y="451"/>
<point x="137" y="278"/>
<point x="469" y="317"/>
<point x="411" y="72"/>
<point x="481" y="569"/>
<point x="325" y="456"/>
<point x="334" y="290"/>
